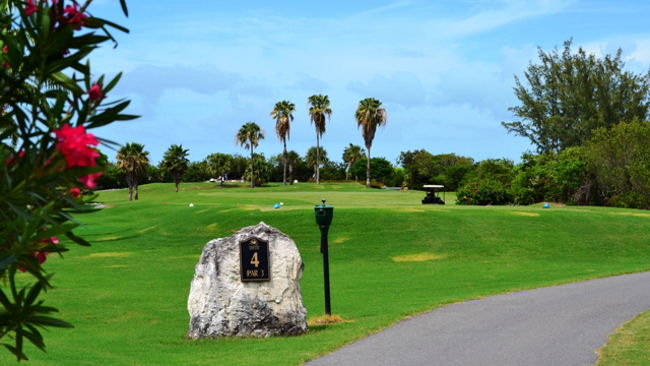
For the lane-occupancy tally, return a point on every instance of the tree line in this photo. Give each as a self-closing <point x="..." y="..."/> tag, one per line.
<point x="586" y="116"/>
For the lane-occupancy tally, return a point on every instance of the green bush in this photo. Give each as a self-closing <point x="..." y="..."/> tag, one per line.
<point x="488" y="192"/>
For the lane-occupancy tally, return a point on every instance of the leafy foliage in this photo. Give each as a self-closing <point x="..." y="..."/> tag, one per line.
<point x="249" y="136"/>
<point x="49" y="99"/>
<point x="382" y="170"/>
<point x="175" y="163"/>
<point x="485" y="192"/>
<point x="569" y="95"/>
<point x="283" y="114"/>
<point x="133" y="161"/>
<point x="620" y="160"/>
<point x="369" y="115"/>
<point x="319" y="110"/>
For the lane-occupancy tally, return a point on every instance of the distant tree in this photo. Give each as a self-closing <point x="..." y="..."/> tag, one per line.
<point x="175" y="163"/>
<point x="283" y="114"/>
<point x="197" y="171"/>
<point x="382" y="169"/>
<point x="249" y="136"/>
<point x="421" y="167"/>
<point x="620" y="160"/>
<point x="501" y="170"/>
<point x="319" y="109"/>
<point x="369" y="115"/>
<point x="315" y="157"/>
<point x="293" y="159"/>
<point x="218" y="165"/>
<point x="238" y="166"/>
<point x="351" y="154"/>
<point x="133" y="161"/>
<point x="263" y="170"/>
<point x="569" y="95"/>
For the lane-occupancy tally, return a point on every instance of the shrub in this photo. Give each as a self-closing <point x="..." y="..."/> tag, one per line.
<point x="49" y="100"/>
<point x="488" y="192"/>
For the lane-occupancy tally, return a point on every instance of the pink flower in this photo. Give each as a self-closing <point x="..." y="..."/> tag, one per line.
<point x="75" y="192"/>
<point x="41" y="255"/>
<point x="89" y="180"/>
<point x="11" y="160"/>
<point x="30" y="8"/>
<point x="74" y="17"/>
<point x="73" y="143"/>
<point x="4" y="49"/>
<point x="95" y="92"/>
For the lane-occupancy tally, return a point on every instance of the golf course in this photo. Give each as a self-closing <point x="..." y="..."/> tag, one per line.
<point x="390" y="257"/>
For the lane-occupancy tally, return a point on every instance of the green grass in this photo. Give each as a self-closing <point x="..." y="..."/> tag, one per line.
<point x="127" y="293"/>
<point x="629" y="345"/>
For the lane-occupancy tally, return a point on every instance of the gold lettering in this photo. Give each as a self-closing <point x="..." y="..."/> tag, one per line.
<point x="255" y="261"/>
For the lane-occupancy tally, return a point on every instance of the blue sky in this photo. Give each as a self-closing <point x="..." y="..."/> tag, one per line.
<point x="444" y="70"/>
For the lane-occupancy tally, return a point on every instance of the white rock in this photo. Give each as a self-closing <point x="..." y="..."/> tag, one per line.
<point x="220" y="304"/>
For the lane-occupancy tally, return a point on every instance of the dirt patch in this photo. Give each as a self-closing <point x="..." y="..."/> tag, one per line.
<point x="635" y="214"/>
<point x="109" y="255"/>
<point x="527" y="214"/>
<point x="326" y="319"/>
<point x="340" y="240"/>
<point x="420" y="257"/>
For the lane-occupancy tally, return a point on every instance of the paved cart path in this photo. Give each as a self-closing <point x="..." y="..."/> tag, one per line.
<point x="560" y="325"/>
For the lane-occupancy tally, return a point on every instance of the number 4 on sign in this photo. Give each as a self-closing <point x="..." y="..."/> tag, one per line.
<point x="255" y="261"/>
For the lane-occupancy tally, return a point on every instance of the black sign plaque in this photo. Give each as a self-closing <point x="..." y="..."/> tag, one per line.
<point x="254" y="259"/>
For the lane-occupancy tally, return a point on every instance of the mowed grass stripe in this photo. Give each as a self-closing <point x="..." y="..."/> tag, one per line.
<point x="131" y="309"/>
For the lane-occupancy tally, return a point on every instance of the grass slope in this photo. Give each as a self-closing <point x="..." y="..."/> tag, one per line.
<point x="629" y="345"/>
<point x="390" y="257"/>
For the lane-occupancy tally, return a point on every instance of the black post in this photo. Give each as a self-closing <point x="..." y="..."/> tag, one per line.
<point x="324" y="214"/>
<point x="326" y="270"/>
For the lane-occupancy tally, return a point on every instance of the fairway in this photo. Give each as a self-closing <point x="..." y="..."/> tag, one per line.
<point x="390" y="257"/>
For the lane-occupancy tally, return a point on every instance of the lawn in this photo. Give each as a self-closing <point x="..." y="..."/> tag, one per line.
<point x="390" y="257"/>
<point x="629" y="345"/>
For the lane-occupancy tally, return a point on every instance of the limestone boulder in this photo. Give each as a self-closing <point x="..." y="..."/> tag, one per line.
<point x="221" y="304"/>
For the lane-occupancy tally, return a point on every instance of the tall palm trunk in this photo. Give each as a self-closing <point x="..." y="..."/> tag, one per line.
<point x="136" y="191"/>
<point x="317" y="160"/>
<point x="348" y="165"/>
<point x="130" y="183"/>
<point x="368" y="167"/>
<point x="284" y="157"/>
<point x="291" y="174"/>
<point x="252" y="175"/>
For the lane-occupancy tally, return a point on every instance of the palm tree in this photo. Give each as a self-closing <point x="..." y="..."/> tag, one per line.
<point x="249" y="136"/>
<point x="314" y="156"/>
<point x="351" y="154"/>
<point x="218" y="165"/>
<point x="133" y="161"/>
<point x="292" y="160"/>
<point x="175" y="163"/>
<point x="369" y="115"/>
<point x="320" y="107"/>
<point x="283" y="115"/>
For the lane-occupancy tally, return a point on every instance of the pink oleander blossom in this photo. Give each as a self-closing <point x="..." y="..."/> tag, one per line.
<point x="89" y="180"/>
<point x="73" y="143"/>
<point x="74" y="17"/>
<point x="30" y="8"/>
<point x="95" y="92"/>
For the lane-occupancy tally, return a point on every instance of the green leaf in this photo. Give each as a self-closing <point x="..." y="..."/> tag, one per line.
<point x="77" y="239"/>
<point x="124" y="9"/>
<point x="49" y="321"/>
